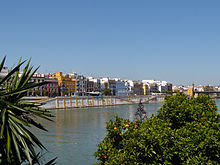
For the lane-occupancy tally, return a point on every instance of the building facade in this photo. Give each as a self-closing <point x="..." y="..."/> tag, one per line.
<point x="37" y="91"/>
<point x="146" y="89"/>
<point x="96" y="84"/>
<point x="164" y="86"/>
<point x="3" y="73"/>
<point x="120" y="89"/>
<point x="52" y="87"/>
<point x="81" y="84"/>
<point x="112" y="86"/>
<point x="66" y="83"/>
<point x="90" y="86"/>
<point x="138" y="88"/>
<point x="129" y="85"/>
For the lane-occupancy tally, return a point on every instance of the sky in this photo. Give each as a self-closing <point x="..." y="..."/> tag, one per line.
<point x="176" y="41"/>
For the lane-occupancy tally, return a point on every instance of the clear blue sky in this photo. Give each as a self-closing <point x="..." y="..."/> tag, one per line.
<point x="174" y="40"/>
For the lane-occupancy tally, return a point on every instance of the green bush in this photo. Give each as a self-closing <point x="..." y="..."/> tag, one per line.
<point x="184" y="131"/>
<point x="107" y="92"/>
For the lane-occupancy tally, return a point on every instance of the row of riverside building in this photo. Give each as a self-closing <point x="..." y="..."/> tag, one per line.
<point x="60" y="84"/>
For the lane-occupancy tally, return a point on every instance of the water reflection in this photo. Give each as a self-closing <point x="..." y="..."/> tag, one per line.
<point x="74" y="134"/>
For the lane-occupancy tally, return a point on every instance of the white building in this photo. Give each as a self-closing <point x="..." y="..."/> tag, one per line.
<point x="200" y="88"/>
<point x="81" y="84"/>
<point x="155" y="86"/>
<point x="96" y="83"/>
<point x="36" y="78"/>
<point x="129" y="86"/>
<point x="164" y="86"/>
<point x="104" y="83"/>
<point x="3" y="73"/>
<point x="152" y="85"/>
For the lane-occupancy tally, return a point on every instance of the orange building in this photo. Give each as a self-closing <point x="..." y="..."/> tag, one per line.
<point x="66" y="83"/>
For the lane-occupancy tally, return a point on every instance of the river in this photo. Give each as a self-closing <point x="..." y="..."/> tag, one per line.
<point x="74" y="134"/>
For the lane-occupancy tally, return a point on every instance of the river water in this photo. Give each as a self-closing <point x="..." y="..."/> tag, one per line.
<point x="74" y="134"/>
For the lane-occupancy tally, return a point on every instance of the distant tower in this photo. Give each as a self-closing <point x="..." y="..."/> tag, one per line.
<point x="193" y="90"/>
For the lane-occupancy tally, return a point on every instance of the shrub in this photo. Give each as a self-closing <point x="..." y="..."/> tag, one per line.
<point x="184" y="131"/>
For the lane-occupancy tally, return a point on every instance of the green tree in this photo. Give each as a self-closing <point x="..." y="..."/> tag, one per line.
<point x="107" y="92"/>
<point x="168" y="92"/>
<point x="54" y="93"/>
<point x="66" y="93"/>
<point x="184" y="131"/>
<point x="45" y="92"/>
<point x="16" y="118"/>
<point x="36" y="92"/>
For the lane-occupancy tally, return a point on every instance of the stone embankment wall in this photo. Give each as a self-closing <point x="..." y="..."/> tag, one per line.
<point x="80" y="102"/>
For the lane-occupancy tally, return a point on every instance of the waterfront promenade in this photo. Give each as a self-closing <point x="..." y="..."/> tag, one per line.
<point x="87" y="101"/>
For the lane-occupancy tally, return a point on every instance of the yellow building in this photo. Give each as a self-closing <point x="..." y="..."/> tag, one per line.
<point x="66" y="83"/>
<point x="145" y="87"/>
<point x="190" y="92"/>
<point x="51" y="76"/>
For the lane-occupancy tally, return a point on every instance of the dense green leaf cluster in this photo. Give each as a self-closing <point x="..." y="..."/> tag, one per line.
<point x="184" y="131"/>
<point x="17" y="142"/>
<point x="107" y="92"/>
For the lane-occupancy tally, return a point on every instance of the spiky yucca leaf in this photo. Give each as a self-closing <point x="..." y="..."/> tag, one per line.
<point x="16" y="140"/>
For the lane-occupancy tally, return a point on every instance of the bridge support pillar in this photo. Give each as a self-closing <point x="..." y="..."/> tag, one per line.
<point x="76" y="100"/>
<point x="57" y="102"/>
<point x="97" y="99"/>
<point x="82" y="104"/>
<point x="64" y="103"/>
<point x="93" y="101"/>
<point x="70" y="103"/>
<point x="87" y="99"/>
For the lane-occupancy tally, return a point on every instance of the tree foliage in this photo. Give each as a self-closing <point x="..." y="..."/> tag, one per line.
<point x="107" y="92"/>
<point x="36" y="92"/>
<point x="17" y="142"/>
<point x="184" y="131"/>
<point x="54" y="93"/>
<point x="45" y="92"/>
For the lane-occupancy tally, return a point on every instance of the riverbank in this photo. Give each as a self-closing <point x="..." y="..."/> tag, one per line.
<point x="86" y="101"/>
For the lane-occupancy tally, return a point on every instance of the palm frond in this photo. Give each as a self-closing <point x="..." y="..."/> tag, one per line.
<point x="17" y="116"/>
<point x="11" y="73"/>
<point x="2" y="63"/>
<point x="16" y="77"/>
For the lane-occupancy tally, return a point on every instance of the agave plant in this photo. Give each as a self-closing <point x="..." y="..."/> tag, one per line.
<point x="17" y="143"/>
